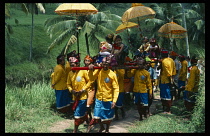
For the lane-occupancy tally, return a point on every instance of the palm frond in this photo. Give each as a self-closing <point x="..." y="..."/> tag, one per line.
<point x="54" y="20"/>
<point x="7" y="12"/>
<point x="192" y="14"/>
<point x="199" y="24"/>
<point x="40" y="7"/>
<point x="154" y="21"/>
<point x="24" y="8"/>
<point x="87" y="27"/>
<point x="61" y="26"/>
<point x="59" y="39"/>
<point x="72" y="40"/>
<point x="100" y="16"/>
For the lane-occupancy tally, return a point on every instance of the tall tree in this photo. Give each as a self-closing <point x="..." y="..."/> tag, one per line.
<point x="96" y="26"/>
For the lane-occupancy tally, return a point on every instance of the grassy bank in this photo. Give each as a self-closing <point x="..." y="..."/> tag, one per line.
<point x="30" y="109"/>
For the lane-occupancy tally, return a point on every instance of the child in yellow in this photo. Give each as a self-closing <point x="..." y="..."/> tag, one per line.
<point x="142" y="87"/>
<point x="191" y="88"/>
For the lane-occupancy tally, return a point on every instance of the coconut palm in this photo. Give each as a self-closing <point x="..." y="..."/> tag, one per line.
<point x="96" y="26"/>
<point x="195" y="18"/>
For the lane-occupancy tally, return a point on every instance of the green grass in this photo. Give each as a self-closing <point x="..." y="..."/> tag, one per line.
<point x="160" y="123"/>
<point x="30" y="109"/>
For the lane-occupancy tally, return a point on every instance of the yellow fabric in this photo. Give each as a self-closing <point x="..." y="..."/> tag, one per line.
<point x="146" y="47"/>
<point x="106" y="91"/>
<point x="193" y="80"/>
<point x="59" y="78"/>
<point x="142" y="81"/>
<point x="168" y="69"/>
<point x="183" y="71"/>
<point x="77" y="81"/>
<point x="67" y="68"/>
<point x="152" y="64"/>
<point x="120" y="77"/>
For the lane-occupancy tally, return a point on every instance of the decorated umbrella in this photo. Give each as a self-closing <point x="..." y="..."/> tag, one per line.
<point x="124" y="26"/>
<point x="138" y="12"/>
<point x="172" y="30"/>
<point x="76" y="9"/>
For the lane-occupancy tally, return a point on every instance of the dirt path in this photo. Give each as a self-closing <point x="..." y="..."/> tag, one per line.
<point x="119" y="126"/>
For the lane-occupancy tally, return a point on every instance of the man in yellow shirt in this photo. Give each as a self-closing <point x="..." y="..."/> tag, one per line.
<point x="191" y="89"/>
<point x="168" y="71"/>
<point x="106" y="95"/>
<point x="77" y="85"/>
<point x="182" y="75"/>
<point x="142" y="87"/>
<point x="119" y="104"/>
<point x="63" y="98"/>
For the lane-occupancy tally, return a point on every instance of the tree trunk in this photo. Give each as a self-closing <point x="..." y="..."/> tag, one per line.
<point x="185" y="26"/>
<point x="32" y="29"/>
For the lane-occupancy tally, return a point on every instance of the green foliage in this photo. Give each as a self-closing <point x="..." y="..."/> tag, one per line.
<point x="28" y="110"/>
<point x="160" y="123"/>
<point x="198" y="117"/>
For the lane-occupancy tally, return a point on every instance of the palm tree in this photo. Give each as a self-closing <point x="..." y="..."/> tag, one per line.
<point x="195" y="18"/>
<point x="33" y="9"/>
<point x="96" y="26"/>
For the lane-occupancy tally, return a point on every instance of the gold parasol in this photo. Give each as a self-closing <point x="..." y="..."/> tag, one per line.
<point x="137" y="12"/>
<point x="172" y="30"/>
<point x="124" y="26"/>
<point x="76" y="9"/>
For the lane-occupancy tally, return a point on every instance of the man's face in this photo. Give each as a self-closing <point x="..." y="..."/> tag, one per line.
<point x="140" y="64"/>
<point x="105" y="65"/>
<point x="62" y="61"/>
<point x="74" y="64"/>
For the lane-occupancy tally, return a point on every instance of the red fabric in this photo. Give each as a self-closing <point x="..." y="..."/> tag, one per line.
<point x="116" y="47"/>
<point x="76" y="102"/>
<point x="77" y="122"/>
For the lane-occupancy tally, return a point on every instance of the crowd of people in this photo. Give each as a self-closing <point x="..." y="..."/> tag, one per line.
<point x="96" y="95"/>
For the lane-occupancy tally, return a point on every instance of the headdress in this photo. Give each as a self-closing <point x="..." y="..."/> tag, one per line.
<point x="172" y="53"/>
<point x="88" y="58"/>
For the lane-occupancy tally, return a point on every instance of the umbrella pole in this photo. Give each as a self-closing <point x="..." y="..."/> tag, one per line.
<point x="139" y="27"/>
<point x="129" y="41"/>
<point x="77" y="29"/>
<point x="87" y="45"/>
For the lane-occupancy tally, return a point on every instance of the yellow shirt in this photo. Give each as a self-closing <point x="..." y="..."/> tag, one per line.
<point x="168" y="69"/>
<point x="120" y="78"/>
<point x="67" y="68"/>
<point x="142" y="81"/>
<point x="77" y="81"/>
<point x="193" y="80"/>
<point x="108" y="88"/>
<point x="183" y="71"/>
<point x="59" y="77"/>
